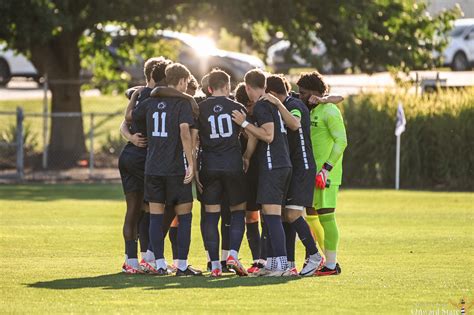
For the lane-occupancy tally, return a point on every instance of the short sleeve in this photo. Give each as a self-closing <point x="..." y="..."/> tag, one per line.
<point x="262" y="113"/>
<point x="185" y="114"/>
<point x="139" y="112"/>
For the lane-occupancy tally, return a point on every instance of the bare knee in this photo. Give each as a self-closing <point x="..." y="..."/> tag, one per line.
<point x="251" y="217"/>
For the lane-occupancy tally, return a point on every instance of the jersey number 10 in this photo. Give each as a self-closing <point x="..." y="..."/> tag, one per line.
<point x="220" y="124"/>
<point x="156" y="123"/>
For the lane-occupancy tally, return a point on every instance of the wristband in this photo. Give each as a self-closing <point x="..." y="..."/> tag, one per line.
<point x="245" y="124"/>
<point x="327" y="166"/>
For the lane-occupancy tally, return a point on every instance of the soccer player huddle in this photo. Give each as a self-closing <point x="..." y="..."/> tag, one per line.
<point x="261" y="155"/>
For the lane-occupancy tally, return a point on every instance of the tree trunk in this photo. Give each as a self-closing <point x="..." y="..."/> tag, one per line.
<point x="61" y="61"/>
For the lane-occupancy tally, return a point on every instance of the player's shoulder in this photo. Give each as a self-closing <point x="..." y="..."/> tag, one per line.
<point x="331" y="109"/>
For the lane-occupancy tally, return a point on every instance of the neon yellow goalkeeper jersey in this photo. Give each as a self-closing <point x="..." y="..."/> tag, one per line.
<point x="328" y="137"/>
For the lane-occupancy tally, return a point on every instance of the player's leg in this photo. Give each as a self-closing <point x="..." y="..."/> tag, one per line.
<point x="173" y="235"/>
<point x="252" y="219"/>
<point x="225" y="232"/>
<point x="326" y="205"/>
<point x="155" y="193"/>
<point x="211" y="197"/>
<point x="143" y="228"/>
<point x="234" y="183"/>
<point x="290" y="237"/>
<point x="312" y="218"/>
<point x="130" y="226"/>
<point x="182" y="196"/>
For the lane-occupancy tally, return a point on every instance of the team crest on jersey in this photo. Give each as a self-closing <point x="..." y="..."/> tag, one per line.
<point x="218" y="108"/>
<point x="161" y="105"/>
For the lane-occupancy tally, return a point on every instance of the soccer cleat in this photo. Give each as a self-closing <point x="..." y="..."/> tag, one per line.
<point x="255" y="268"/>
<point x="294" y="272"/>
<point x="325" y="271"/>
<point x="159" y="272"/>
<point x="130" y="270"/>
<point x="279" y="273"/>
<point x="262" y="272"/>
<point x="171" y="268"/>
<point x="236" y="265"/>
<point x="216" y="273"/>
<point x="147" y="267"/>
<point x="338" y="268"/>
<point x="190" y="271"/>
<point x="224" y="267"/>
<point x="312" y="265"/>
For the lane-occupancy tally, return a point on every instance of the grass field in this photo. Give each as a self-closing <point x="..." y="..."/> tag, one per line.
<point x="401" y="252"/>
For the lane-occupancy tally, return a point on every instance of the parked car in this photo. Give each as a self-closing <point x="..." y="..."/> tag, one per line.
<point x="282" y="57"/>
<point x="459" y="55"/>
<point x="199" y="54"/>
<point x="15" y="65"/>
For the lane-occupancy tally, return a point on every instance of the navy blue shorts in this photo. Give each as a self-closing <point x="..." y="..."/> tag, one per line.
<point x="168" y="190"/>
<point x="132" y="168"/>
<point x="217" y="183"/>
<point x="273" y="186"/>
<point x="301" y="190"/>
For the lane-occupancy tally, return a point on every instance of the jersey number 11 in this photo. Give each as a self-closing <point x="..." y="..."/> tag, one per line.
<point x="156" y="123"/>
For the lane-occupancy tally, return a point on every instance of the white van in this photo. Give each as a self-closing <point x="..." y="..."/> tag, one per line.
<point x="15" y="65"/>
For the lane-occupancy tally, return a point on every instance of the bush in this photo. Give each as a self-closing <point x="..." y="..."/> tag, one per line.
<point x="436" y="148"/>
<point x="8" y="144"/>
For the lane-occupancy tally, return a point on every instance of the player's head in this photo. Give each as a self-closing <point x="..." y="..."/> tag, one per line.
<point x="287" y="84"/>
<point x="192" y="86"/>
<point x="311" y="83"/>
<point x="276" y="85"/>
<point x="255" y="83"/>
<point x="158" y="72"/>
<point x="150" y="65"/>
<point x="205" y="85"/>
<point x="242" y="97"/>
<point x="219" y="82"/>
<point x="177" y="76"/>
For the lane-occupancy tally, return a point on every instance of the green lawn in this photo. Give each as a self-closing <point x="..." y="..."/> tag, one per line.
<point x="401" y="252"/>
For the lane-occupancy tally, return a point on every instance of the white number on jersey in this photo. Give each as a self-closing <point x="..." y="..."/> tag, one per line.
<point x="156" y="120"/>
<point x="282" y="124"/>
<point x="220" y="124"/>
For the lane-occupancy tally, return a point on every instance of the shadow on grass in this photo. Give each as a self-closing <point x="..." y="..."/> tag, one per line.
<point x="123" y="281"/>
<point x="41" y="192"/>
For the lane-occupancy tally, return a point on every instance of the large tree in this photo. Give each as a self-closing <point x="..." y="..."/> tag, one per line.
<point x="369" y="34"/>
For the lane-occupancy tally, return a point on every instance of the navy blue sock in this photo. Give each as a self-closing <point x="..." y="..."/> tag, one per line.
<point x="304" y="233"/>
<point x="290" y="236"/>
<point x="173" y="233"/>
<point x="156" y="234"/>
<point x="253" y="237"/>
<point x="212" y="235"/>
<point x="143" y="231"/>
<point x="184" y="235"/>
<point x="237" y="229"/>
<point x="225" y="226"/>
<point x="131" y="249"/>
<point x="276" y="235"/>
<point x="203" y="225"/>
<point x="263" y="240"/>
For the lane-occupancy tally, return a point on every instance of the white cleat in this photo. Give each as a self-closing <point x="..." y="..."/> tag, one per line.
<point x="313" y="264"/>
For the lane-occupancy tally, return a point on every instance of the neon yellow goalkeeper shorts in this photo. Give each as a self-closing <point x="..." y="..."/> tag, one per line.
<point x="325" y="198"/>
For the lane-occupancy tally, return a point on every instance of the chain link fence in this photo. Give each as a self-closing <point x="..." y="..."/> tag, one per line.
<point x="27" y="154"/>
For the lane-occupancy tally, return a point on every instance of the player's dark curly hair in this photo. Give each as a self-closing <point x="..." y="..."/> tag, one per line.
<point x="241" y="95"/>
<point x="313" y="81"/>
<point x="276" y="84"/>
<point x="158" y="71"/>
<point x="193" y="83"/>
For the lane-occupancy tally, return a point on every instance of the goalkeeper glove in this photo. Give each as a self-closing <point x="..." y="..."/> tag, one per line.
<point x="322" y="180"/>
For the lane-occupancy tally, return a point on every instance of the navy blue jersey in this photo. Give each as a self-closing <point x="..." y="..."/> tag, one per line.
<point x="164" y="116"/>
<point x="299" y="141"/>
<point x="219" y="135"/>
<point x="139" y="125"/>
<point x="276" y="154"/>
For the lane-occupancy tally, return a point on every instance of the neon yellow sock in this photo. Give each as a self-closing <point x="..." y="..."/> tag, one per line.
<point x="317" y="229"/>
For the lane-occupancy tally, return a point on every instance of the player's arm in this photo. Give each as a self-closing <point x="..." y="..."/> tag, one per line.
<point x="334" y="99"/>
<point x="291" y="121"/>
<point x="251" y="146"/>
<point x="263" y="133"/>
<point x="185" y="134"/>
<point x="166" y="91"/>
<point x="131" y="104"/>
<point x="137" y="139"/>
<point x="337" y="130"/>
